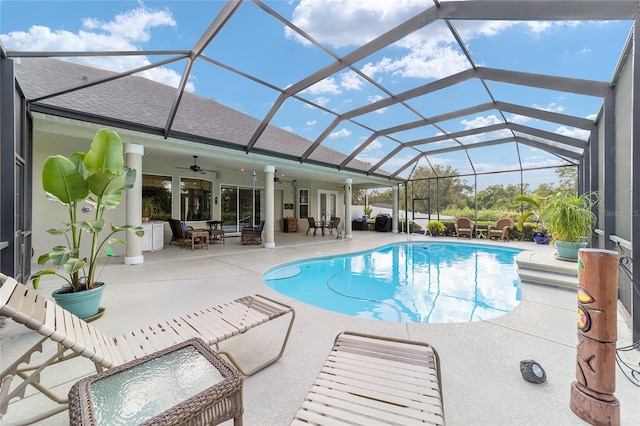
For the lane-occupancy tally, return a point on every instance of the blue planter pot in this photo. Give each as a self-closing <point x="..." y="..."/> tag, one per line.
<point x="568" y="251"/>
<point x="541" y="238"/>
<point x="82" y="304"/>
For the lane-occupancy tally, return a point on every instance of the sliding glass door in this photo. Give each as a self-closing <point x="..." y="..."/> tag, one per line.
<point x="241" y="206"/>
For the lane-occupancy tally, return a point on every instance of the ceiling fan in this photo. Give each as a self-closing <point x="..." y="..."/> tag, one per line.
<point x="195" y="168"/>
<point x="276" y="179"/>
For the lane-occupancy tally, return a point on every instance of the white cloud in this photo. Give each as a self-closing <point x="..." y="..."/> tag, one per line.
<point x="592" y="116"/>
<point x="340" y="23"/>
<point x="573" y="132"/>
<point x="342" y="133"/>
<point x="311" y="123"/>
<point x="552" y="107"/>
<point x="375" y="145"/>
<point x="481" y="121"/>
<point x="328" y="85"/>
<point x="125" y="32"/>
<point x="322" y="100"/>
<point x="519" y="119"/>
<point x="351" y="81"/>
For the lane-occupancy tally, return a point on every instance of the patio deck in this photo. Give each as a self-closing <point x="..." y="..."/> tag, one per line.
<point x="481" y="380"/>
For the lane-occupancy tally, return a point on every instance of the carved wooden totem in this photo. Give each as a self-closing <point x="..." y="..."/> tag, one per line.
<point x="592" y="397"/>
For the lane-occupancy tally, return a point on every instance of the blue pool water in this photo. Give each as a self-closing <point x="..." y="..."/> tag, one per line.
<point x="407" y="282"/>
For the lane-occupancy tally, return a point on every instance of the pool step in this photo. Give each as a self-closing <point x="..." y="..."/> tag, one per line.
<point x="536" y="269"/>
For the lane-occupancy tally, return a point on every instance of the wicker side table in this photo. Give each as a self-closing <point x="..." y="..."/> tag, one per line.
<point x="187" y="383"/>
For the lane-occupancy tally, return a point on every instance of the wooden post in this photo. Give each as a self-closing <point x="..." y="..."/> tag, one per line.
<point x="592" y="394"/>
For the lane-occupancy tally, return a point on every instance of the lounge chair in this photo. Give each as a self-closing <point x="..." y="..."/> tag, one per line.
<point x="464" y="227"/>
<point x="179" y="233"/>
<point x="75" y="337"/>
<point x="500" y="229"/>
<point x="372" y="380"/>
<point x="251" y="234"/>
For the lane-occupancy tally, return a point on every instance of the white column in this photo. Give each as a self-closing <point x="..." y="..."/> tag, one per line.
<point x="269" y="239"/>
<point x="347" y="209"/>
<point x="394" y="226"/>
<point x="133" y="159"/>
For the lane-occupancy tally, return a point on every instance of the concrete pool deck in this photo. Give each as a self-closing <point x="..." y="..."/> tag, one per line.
<point x="481" y="380"/>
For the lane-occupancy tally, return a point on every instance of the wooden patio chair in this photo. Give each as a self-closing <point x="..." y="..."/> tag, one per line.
<point x="500" y="229"/>
<point x="179" y="233"/>
<point x="369" y="380"/>
<point x="333" y="224"/>
<point x="312" y="225"/>
<point x="464" y="227"/>
<point x="77" y="338"/>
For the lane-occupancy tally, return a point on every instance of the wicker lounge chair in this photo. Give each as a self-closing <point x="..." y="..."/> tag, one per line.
<point x="372" y="380"/>
<point x="464" y="227"/>
<point x="500" y="229"/>
<point x="75" y="337"/>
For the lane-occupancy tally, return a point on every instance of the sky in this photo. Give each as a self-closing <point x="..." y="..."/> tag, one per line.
<point x="258" y="44"/>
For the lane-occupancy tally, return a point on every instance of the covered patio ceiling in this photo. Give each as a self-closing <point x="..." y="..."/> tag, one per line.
<point x="476" y="117"/>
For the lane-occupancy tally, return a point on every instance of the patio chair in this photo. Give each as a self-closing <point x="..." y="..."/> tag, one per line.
<point x="500" y="229"/>
<point x="77" y="338"/>
<point x="251" y="234"/>
<point x="464" y="227"/>
<point x="375" y="380"/>
<point x="312" y="225"/>
<point x="333" y="224"/>
<point x="179" y="233"/>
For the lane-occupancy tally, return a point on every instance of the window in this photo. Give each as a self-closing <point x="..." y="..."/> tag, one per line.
<point x="195" y="199"/>
<point x="303" y="203"/>
<point x="158" y="189"/>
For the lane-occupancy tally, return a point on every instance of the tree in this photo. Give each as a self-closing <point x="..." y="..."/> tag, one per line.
<point x="449" y="190"/>
<point x="567" y="179"/>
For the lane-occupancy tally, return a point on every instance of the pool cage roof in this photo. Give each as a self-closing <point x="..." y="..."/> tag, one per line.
<point x="358" y="105"/>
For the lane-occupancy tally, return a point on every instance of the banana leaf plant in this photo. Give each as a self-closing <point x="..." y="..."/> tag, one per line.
<point x="537" y="210"/>
<point x="99" y="178"/>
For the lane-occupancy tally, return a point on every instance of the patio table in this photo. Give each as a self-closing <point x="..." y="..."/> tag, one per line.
<point x="187" y="383"/>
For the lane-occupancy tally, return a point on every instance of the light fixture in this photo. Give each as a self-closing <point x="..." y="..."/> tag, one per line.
<point x="215" y="200"/>
<point x="532" y="371"/>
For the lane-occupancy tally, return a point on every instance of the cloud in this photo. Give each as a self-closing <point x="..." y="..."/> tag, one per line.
<point x="124" y="33"/>
<point x="481" y="121"/>
<point x="552" y="107"/>
<point x="573" y="132"/>
<point x="328" y="85"/>
<point x="351" y="81"/>
<point x="341" y="23"/>
<point x="322" y="100"/>
<point x="311" y="123"/>
<point x="342" y="133"/>
<point x="375" y="145"/>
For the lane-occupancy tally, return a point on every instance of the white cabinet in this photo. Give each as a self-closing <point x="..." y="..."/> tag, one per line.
<point x="153" y="238"/>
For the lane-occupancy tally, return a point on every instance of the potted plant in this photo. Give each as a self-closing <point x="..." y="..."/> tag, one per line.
<point x="537" y="204"/>
<point x="150" y="208"/>
<point x="571" y="221"/>
<point x="435" y="227"/>
<point x="99" y="178"/>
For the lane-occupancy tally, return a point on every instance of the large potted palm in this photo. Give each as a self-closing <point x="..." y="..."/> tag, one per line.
<point x="98" y="178"/>
<point x="571" y="221"/>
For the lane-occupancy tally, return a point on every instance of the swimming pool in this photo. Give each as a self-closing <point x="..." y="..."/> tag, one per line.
<point x="407" y="282"/>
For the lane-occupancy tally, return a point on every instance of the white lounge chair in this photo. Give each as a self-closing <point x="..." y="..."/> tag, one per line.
<point x="375" y="381"/>
<point x="76" y="337"/>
